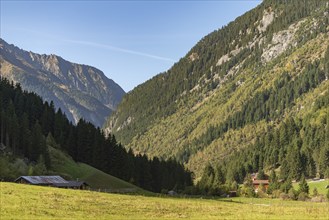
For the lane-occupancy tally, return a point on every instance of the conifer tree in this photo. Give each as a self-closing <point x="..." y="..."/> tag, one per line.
<point x="273" y="182"/>
<point x="207" y="178"/>
<point x="303" y="186"/>
<point x="219" y="178"/>
<point x="261" y="174"/>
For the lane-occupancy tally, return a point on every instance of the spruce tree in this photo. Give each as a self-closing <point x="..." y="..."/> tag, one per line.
<point x="261" y="174"/>
<point x="207" y="178"/>
<point x="219" y="177"/>
<point x="273" y="185"/>
<point x="303" y="186"/>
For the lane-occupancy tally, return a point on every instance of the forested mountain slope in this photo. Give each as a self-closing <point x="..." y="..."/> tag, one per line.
<point x="81" y="91"/>
<point x="247" y="96"/>
<point x="32" y="133"/>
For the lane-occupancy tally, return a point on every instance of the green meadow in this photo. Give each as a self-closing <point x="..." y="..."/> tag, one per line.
<point x="319" y="185"/>
<point x="20" y="201"/>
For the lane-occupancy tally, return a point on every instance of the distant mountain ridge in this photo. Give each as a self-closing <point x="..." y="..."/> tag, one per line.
<point x="81" y="91"/>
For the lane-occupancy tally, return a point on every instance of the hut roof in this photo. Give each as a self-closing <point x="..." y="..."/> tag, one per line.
<point x="71" y="184"/>
<point x="43" y="180"/>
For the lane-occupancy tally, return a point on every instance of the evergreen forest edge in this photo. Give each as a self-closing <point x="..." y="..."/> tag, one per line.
<point x="26" y="122"/>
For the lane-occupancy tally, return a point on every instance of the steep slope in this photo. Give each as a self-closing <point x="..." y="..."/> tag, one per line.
<point x="231" y="87"/>
<point x="80" y="91"/>
<point x="64" y="165"/>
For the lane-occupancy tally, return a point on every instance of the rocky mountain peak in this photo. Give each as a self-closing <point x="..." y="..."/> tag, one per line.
<point x="81" y="91"/>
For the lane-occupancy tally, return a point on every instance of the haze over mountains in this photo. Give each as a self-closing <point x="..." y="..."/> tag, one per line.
<point x="81" y="91"/>
<point x="234" y="92"/>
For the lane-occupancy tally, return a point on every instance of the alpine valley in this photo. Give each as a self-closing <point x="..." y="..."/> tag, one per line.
<point x="244" y="114"/>
<point x="251" y="96"/>
<point x="80" y="91"/>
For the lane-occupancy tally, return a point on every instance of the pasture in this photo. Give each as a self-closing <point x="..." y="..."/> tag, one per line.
<point x="20" y="201"/>
<point x="319" y="185"/>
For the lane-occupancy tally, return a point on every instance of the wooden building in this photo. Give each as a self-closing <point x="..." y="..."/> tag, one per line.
<point x="55" y="181"/>
<point x="257" y="183"/>
<point x="73" y="185"/>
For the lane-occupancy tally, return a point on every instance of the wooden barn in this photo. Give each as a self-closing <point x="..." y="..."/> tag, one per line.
<point x="55" y="181"/>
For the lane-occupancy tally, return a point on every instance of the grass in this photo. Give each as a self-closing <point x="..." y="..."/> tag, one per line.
<point x="20" y="201"/>
<point x="319" y="185"/>
<point x="63" y="165"/>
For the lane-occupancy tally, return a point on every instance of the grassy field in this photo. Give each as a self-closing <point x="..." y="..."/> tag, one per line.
<point x="20" y="201"/>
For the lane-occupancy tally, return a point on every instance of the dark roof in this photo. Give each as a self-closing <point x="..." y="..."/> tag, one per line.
<point x="71" y="184"/>
<point x="43" y="180"/>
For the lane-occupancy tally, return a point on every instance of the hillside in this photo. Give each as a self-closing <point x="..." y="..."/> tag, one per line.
<point x="81" y="91"/>
<point x="53" y="203"/>
<point x="33" y="133"/>
<point x="65" y="166"/>
<point x="229" y="99"/>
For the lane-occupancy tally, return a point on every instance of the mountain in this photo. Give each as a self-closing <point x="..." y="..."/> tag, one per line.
<point x="242" y="98"/>
<point x="81" y="91"/>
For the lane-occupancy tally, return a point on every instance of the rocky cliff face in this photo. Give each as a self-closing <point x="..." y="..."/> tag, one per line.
<point x="81" y="91"/>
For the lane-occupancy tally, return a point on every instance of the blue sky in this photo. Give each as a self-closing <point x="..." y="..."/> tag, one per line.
<point x="130" y="41"/>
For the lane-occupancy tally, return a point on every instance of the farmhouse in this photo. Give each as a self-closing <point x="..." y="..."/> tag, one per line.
<point x="55" y="181"/>
<point x="257" y="183"/>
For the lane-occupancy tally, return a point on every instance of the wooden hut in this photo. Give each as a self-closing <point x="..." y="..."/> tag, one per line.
<point x="55" y="181"/>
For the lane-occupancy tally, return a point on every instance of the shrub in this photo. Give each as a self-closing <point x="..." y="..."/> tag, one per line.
<point x="292" y="194"/>
<point x="164" y="191"/>
<point x="303" y="196"/>
<point x="247" y="192"/>
<point x="319" y="198"/>
<point x="234" y="186"/>
<point x="20" y="167"/>
<point x="284" y="196"/>
<point x="261" y="194"/>
<point x="220" y="190"/>
<point x="261" y="188"/>
<point x="286" y="186"/>
<point x="276" y="193"/>
<point x="190" y="190"/>
<point x="315" y="192"/>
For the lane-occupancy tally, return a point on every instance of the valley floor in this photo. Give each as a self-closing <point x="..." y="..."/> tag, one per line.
<point x="20" y="201"/>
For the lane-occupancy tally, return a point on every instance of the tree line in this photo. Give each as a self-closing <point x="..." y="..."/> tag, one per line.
<point x="26" y="121"/>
